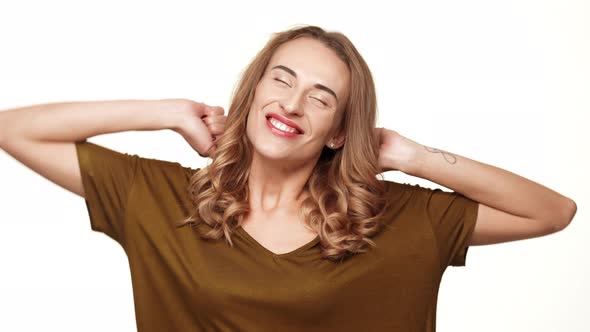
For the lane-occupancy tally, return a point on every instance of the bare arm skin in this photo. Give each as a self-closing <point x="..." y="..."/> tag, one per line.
<point x="510" y="207"/>
<point x="43" y="136"/>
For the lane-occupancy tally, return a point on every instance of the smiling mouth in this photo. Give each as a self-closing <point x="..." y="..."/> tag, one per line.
<point x="278" y="125"/>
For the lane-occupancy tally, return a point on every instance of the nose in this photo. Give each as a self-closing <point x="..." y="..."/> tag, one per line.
<point x="291" y="103"/>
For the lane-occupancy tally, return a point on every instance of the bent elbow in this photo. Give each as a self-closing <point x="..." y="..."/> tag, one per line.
<point x="570" y="212"/>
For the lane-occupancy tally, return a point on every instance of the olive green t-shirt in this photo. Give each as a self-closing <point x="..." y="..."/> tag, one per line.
<point x="183" y="283"/>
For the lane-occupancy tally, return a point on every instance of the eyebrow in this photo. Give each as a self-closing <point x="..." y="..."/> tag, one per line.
<point x="317" y="85"/>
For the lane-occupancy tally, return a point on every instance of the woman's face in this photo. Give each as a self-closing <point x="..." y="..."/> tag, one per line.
<point x="305" y="85"/>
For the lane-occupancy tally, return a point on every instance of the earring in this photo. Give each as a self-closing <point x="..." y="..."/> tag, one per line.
<point x="332" y="144"/>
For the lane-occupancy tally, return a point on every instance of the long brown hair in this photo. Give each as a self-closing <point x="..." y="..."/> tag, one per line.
<point x="346" y="199"/>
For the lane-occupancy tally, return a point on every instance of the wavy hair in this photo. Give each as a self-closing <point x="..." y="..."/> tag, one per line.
<point x="346" y="201"/>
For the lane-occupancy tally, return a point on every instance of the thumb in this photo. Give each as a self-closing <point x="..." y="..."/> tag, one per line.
<point x="211" y="149"/>
<point x="201" y="137"/>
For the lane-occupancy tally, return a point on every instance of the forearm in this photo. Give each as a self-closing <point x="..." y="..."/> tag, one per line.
<point x="488" y="184"/>
<point x="73" y="121"/>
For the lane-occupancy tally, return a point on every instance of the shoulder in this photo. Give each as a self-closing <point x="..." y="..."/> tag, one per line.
<point x="159" y="168"/>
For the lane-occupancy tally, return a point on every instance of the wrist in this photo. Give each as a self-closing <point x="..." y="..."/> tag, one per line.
<point x="176" y="113"/>
<point x="413" y="163"/>
<point x="408" y="156"/>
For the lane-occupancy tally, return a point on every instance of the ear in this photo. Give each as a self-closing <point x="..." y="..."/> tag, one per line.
<point x="337" y="139"/>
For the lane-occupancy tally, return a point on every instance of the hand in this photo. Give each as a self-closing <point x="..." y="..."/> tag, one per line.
<point x="396" y="152"/>
<point x="202" y="125"/>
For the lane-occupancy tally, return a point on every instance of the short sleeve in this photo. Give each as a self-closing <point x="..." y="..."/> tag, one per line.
<point x="452" y="217"/>
<point x="107" y="177"/>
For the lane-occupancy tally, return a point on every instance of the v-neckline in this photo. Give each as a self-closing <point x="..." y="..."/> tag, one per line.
<point x="255" y="242"/>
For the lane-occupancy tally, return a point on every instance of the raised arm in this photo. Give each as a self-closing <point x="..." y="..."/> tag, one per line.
<point x="42" y="137"/>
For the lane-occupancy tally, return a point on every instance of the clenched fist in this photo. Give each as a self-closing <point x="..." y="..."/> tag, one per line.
<point x="201" y="127"/>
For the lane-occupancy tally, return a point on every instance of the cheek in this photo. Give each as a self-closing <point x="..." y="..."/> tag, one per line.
<point x="322" y="124"/>
<point x="250" y="131"/>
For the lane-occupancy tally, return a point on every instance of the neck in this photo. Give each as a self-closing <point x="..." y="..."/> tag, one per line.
<point x="278" y="187"/>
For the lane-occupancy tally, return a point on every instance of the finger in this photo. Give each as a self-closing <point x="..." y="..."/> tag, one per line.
<point x="217" y="129"/>
<point x="209" y="120"/>
<point x="212" y="147"/>
<point x="205" y="111"/>
<point x="213" y="110"/>
<point x="218" y="110"/>
<point x="211" y="150"/>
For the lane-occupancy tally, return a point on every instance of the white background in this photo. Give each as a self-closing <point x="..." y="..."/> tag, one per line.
<point x="506" y="83"/>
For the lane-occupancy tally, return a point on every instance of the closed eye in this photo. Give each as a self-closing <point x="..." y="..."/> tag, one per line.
<point x="276" y="79"/>
<point x="321" y="101"/>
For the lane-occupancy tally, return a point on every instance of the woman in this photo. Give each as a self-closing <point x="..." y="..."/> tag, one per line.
<point x="316" y="241"/>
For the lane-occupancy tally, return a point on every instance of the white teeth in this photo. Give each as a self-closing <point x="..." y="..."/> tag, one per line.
<point x="279" y="125"/>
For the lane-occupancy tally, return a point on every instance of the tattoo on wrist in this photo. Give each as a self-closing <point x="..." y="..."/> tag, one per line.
<point x="449" y="157"/>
